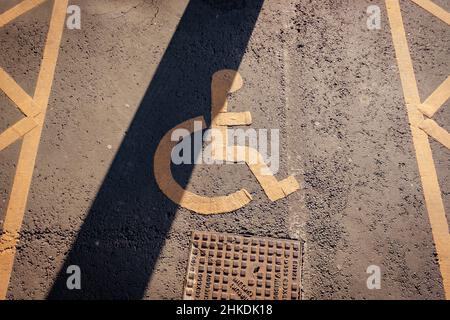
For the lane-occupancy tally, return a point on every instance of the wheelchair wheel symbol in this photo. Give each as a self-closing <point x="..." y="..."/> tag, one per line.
<point x="223" y="82"/>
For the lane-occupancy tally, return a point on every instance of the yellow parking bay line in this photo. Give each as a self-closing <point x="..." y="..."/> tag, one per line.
<point x="22" y="100"/>
<point x="24" y="172"/>
<point x="427" y="170"/>
<point x="434" y="130"/>
<point x="18" y="10"/>
<point x="436" y="99"/>
<point x="434" y="9"/>
<point x="17" y="131"/>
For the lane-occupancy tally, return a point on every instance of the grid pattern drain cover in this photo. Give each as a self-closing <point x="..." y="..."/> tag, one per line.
<point x="225" y="266"/>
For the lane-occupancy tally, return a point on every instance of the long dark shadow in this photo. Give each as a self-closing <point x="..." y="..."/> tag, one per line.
<point x="122" y="235"/>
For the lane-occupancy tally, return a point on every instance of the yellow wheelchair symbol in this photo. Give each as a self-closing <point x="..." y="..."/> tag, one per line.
<point x="223" y="83"/>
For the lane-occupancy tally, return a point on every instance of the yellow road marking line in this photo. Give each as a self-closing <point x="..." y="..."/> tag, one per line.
<point x="16" y="131"/>
<point x="427" y="170"/>
<point x="434" y="9"/>
<point x="18" y="10"/>
<point x="436" y="99"/>
<point x="437" y="132"/>
<point x="233" y="119"/>
<point x="22" y="180"/>
<point x="22" y="100"/>
<point x="7" y="242"/>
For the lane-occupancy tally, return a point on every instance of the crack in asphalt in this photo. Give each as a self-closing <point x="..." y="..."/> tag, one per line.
<point x="124" y="13"/>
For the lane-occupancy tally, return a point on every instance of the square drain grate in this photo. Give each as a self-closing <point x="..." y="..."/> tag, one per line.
<point x="226" y="266"/>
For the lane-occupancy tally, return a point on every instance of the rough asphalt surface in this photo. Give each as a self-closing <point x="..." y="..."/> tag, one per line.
<point x="311" y="69"/>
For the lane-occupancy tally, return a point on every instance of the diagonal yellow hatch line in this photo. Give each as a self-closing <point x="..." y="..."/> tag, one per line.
<point x="21" y="99"/>
<point x="427" y="170"/>
<point x="25" y="165"/>
<point x="434" y="130"/>
<point x="437" y="99"/>
<point x="16" y="131"/>
<point x="434" y="9"/>
<point x="18" y="10"/>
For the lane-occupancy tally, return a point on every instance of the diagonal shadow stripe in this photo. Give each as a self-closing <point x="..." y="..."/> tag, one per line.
<point x="211" y="35"/>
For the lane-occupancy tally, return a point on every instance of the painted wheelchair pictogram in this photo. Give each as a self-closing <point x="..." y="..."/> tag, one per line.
<point x="223" y="82"/>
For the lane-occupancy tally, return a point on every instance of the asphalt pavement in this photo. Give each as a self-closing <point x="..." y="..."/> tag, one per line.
<point x="311" y="69"/>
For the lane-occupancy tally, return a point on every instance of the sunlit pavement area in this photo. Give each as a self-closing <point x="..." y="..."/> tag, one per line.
<point x="374" y="180"/>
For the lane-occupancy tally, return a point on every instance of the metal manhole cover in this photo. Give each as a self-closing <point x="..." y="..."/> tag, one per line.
<point x="225" y="266"/>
